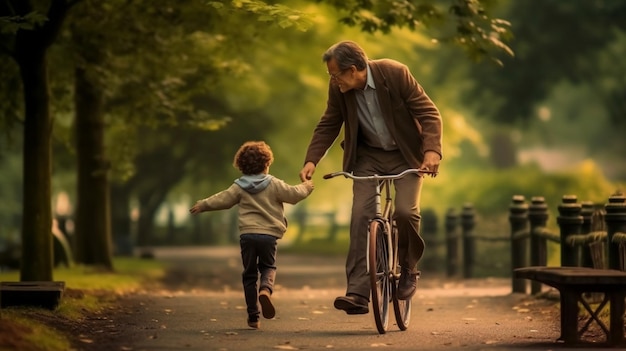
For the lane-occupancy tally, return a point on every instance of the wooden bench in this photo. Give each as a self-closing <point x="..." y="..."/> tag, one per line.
<point x="572" y="283"/>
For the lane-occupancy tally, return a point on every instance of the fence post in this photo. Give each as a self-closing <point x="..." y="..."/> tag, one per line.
<point x="538" y="217"/>
<point x="452" y="242"/>
<point x="467" y="223"/>
<point x="518" y="217"/>
<point x="586" y="212"/>
<point x="570" y="222"/>
<point x="615" y="220"/>
<point x="429" y="229"/>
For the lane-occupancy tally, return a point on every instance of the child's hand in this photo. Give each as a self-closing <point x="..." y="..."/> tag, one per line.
<point x="310" y="184"/>
<point x="196" y="208"/>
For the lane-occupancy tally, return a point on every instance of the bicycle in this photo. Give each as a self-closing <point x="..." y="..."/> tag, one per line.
<point x="382" y="258"/>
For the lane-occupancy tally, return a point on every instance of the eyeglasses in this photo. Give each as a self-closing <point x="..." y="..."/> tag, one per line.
<point x="336" y="75"/>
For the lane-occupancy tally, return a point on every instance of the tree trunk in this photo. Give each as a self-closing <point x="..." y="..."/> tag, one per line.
<point x="37" y="209"/>
<point x="93" y="219"/>
<point x="148" y="205"/>
<point x="151" y="194"/>
<point x="120" y="220"/>
<point x="30" y="55"/>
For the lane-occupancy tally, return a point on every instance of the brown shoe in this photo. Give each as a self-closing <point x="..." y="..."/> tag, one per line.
<point x="407" y="284"/>
<point x="352" y="304"/>
<point x="267" y="308"/>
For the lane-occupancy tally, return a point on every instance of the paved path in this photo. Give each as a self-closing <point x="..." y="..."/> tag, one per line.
<point x="204" y="310"/>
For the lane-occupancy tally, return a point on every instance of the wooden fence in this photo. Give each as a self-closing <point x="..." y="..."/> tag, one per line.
<point x="587" y="237"/>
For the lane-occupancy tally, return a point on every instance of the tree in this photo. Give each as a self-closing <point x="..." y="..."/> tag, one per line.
<point x="159" y="51"/>
<point x="26" y="37"/>
<point x="554" y="41"/>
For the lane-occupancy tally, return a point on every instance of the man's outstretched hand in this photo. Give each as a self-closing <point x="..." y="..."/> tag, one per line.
<point x="307" y="171"/>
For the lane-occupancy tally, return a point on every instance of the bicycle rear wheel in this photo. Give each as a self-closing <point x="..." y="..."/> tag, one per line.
<point x="401" y="308"/>
<point x="379" y="272"/>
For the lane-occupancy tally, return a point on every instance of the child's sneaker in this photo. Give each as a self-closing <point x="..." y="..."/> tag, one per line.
<point x="253" y="322"/>
<point x="267" y="308"/>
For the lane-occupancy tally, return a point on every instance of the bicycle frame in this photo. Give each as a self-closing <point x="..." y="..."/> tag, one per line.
<point x="383" y="214"/>
<point x="382" y="252"/>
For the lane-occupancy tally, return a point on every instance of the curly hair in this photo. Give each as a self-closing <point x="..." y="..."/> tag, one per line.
<point x="253" y="157"/>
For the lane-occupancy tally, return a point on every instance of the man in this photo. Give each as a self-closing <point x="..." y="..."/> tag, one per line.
<point x="390" y="125"/>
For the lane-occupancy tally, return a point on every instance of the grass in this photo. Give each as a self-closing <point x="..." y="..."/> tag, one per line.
<point x="22" y="328"/>
<point x="318" y="247"/>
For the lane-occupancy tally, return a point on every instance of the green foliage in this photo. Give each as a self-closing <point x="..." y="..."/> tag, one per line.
<point x="11" y="105"/>
<point x="491" y="191"/>
<point x="10" y="206"/>
<point x="12" y="24"/>
<point x="554" y="41"/>
<point x="466" y="23"/>
<point x="281" y="15"/>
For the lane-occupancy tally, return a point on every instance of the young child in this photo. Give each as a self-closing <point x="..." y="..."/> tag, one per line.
<point x="260" y="197"/>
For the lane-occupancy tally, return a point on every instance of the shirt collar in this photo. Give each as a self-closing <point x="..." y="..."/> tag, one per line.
<point x="370" y="80"/>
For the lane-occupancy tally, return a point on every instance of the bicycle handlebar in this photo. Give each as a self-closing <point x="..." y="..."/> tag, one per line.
<point x="419" y="172"/>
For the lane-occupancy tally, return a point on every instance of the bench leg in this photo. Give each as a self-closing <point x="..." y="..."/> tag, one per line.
<point x="594" y="316"/>
<point x="569" y="316"/>
<point x="617" y="318"/>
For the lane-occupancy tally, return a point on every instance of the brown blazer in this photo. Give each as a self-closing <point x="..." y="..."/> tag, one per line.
<point x="411" y="117"/>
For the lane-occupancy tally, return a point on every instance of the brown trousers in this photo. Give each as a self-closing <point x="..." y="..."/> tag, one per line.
<point x="407" y="215"/>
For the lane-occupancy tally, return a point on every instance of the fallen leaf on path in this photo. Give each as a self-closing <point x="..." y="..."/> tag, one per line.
<point x="285" y="346"/>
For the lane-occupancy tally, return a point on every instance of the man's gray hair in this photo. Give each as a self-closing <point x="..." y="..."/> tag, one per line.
<point x="346" y="53"/>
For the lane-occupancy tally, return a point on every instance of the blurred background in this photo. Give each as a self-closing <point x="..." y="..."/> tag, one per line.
<point x="175" y="87"/>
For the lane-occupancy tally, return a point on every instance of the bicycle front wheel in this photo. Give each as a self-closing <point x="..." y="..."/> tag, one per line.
<point x="379" y="272"/>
